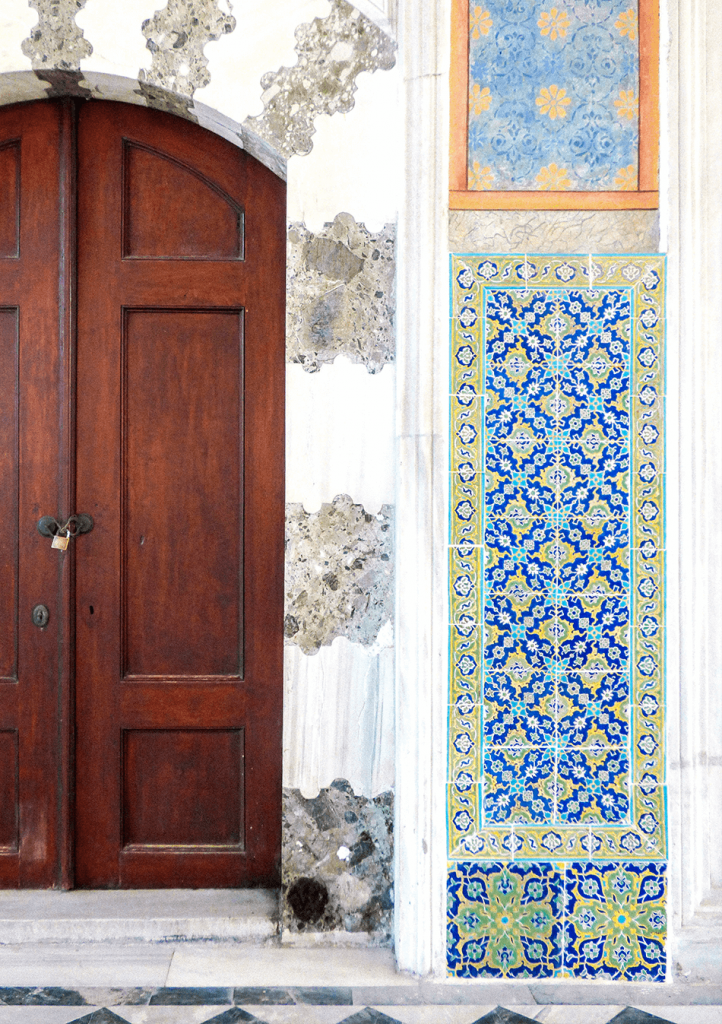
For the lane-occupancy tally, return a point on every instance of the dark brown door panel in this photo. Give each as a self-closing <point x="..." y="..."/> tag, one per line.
<point x="140" y="729"/>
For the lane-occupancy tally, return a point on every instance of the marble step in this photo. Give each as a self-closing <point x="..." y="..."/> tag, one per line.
<point x="148" y="915"/>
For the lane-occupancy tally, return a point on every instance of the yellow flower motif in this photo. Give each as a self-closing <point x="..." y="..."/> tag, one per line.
<point x="552" y="101"/>
<point x="626" y="180"/>
<point x="626" y="104"/>
<point x="480" y="22"/>
<point x="479" y="99"/>
<point x="553" y="179"/>
<point x="481" y="178"/>
<point x="554" y="23"/>
<point x="627" y="24"/>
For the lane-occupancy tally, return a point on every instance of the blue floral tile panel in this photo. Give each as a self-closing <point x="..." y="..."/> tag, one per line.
<point x="547" y="920"/>
<point x="553" y="95"/>
<point x="556" y="778"/>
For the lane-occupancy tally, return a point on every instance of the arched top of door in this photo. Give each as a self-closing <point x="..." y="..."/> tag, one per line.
<point x="25" y="86"/>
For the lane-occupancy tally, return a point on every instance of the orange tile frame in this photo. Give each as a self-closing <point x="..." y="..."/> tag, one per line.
<point x="646" y="197"/>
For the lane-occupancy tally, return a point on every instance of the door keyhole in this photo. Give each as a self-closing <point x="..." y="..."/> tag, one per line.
<point x="40" y="616"/>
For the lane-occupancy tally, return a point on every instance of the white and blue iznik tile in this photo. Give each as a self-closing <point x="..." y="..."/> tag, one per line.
<point x="553" y="95"/>
<point x="556" y="705"/>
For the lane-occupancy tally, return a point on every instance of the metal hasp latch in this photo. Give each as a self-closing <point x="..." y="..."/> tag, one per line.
<point x="50" y="527"/>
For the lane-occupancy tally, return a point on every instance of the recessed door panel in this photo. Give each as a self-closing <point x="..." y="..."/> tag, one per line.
<point x="9" y="803"/>
<point x="10" y="205"/>
<point x="173" y="211"/>
<point x="183" y="788"/>
<point x="182" y="472"/>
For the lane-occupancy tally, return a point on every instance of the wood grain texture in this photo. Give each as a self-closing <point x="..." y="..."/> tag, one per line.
<point x="10" y="206"/>
<point x="182" y="788"/>
<point x="182" y="467"/>
<point x="31" y="336"/>
<point x="181" y="391"/>
<point x="200" y="220"/>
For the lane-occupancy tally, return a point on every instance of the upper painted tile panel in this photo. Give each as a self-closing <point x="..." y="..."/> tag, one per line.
<point x="553" y="96"/>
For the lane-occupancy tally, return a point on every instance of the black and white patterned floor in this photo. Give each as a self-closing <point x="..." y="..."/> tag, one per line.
<point x="317" y="1005"/>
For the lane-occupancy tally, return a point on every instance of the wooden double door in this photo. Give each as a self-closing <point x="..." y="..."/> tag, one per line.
<point x="141" y="384"/>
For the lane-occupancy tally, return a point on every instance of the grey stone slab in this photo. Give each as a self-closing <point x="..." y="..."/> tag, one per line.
<point x="323" y="996"/>
<point x="558" y="1014"/>
<point x="191" y="997"/>
<point x="554" y="231"/>
<point x="263" y="996"/>
<point x="131" y="915"/>
<point x="499" y="1015"/>
<point x="390" y="995"/>
<point x="103" y="1016"/>
<point x="42" y="997"/>
<point x="116" y="996"/>
<point x="620" y="993"/>
<point x="369" y="1016"/>
<point x="481" y="994"/>
<point x="233" y="1016"/>
<point x="44" y="1014"/>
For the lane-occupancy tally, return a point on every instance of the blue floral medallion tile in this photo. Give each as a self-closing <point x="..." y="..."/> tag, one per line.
<point x="615" y="921"/>
<point x="556" y="741"/>
<point x="504" y="921"/>
<point x="553" y="96"/>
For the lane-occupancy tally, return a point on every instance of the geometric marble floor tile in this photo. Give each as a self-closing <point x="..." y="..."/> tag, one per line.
<point x="500" y="1015"/>
<point x="312" y="1014"/>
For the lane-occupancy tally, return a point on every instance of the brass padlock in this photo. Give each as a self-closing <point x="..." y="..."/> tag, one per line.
<point x="60" y="542"/>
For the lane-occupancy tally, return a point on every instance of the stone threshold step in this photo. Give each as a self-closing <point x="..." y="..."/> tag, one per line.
<point x="144" y="915"/>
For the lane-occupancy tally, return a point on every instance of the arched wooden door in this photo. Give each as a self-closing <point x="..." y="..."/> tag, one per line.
<point x="142" y="362"/>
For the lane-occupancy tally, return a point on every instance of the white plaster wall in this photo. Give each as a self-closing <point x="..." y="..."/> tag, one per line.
<point x="340" y="435"/>
<point x="355" y="165"/>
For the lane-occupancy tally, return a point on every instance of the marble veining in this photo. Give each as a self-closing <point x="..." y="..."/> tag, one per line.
<point x="340" y="297"/>
<point x="540" y="231"/>
<point x="176" y="37"/>
<point x="339" y="573"/>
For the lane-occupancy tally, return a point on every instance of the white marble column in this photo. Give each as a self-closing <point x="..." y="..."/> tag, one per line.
<point x="422" y="459"/>
<point x="692" y="145"/>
